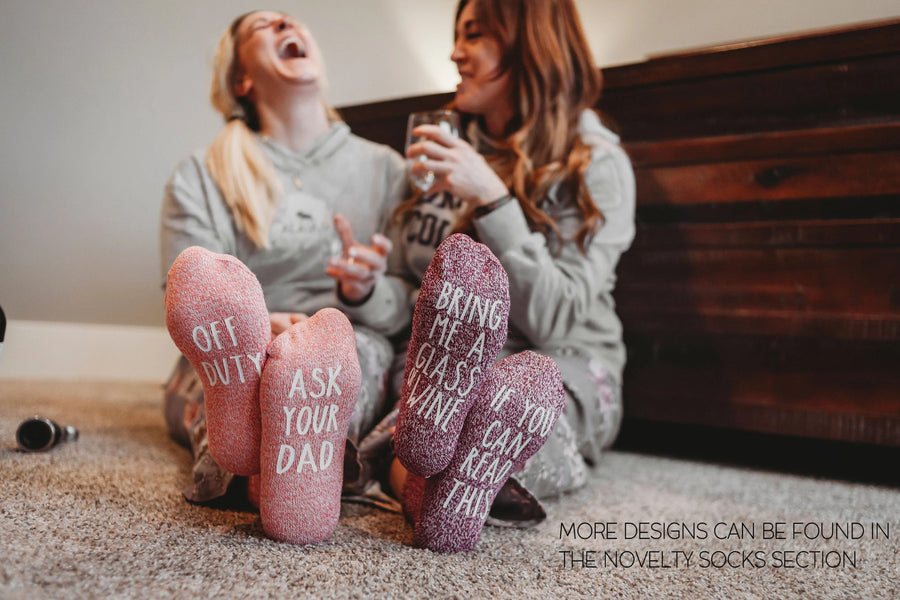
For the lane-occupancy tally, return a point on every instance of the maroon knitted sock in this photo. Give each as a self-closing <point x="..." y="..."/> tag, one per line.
<point x="307" y="395"/>
<point x="216" y="315"/>
<point x="458" y="328"/>
<point x="411" y="497"/>
<point x="515" y="413"/>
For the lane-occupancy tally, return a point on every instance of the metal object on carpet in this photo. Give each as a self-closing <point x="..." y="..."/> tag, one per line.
<point x="39" y="434"/>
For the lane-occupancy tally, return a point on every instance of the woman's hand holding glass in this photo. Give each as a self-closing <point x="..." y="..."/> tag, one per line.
<point x="456" y="166"/>
<point x="447" y="120"/>
<point x="359" y="267"/>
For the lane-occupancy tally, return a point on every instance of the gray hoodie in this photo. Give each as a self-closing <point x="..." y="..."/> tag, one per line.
<point x="561" y="299"/>
<point x="338" y="173"/>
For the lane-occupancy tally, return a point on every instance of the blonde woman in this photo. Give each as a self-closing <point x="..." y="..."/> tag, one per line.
<point x="541" y="182"/>
<point x="286" y="188"/>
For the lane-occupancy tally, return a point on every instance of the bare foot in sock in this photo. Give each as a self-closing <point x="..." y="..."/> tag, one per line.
<point x="411" y="497"/>
<point x="307" y="395"/>
<point x="216" y="315"/>
<point x="515" y="413"/>
<point x="458" y="328"/>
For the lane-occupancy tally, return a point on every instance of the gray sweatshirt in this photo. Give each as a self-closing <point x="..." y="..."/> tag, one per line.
<point x="338" y="173"/>
<point x="561" y="299"/>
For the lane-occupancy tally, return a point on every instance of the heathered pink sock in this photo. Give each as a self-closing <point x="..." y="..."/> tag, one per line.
<point x="458" y="328"/>
<point x="307" y="394"/>
<point x="516" y="410"/>
<point x="216" y="315"/>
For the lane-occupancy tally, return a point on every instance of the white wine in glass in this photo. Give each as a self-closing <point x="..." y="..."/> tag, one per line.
<point x="446" y="120"/>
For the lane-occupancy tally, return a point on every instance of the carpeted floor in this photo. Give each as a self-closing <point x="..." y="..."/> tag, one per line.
<point x="103" y="518"/>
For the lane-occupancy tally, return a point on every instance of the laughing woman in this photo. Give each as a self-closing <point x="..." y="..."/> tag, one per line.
<point x="287" y="189"/>
<point x="541" y="182"/>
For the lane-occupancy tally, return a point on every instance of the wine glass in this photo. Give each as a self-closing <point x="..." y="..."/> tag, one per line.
<point x="446" y="120"/>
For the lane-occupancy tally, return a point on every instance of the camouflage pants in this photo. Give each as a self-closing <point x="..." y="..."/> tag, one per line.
<point x="588" y="426"/>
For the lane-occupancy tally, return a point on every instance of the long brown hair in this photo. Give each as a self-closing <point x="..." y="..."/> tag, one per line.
<point x="554" y="80"/>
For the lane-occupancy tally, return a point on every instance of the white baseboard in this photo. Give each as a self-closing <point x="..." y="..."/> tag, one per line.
<point x="46" y="350"/>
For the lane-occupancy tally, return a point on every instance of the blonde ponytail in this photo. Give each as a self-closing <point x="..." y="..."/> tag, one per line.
<point x="243" y="173"/>
<point x="246" y="180"/>
<point x="237" y="163"/>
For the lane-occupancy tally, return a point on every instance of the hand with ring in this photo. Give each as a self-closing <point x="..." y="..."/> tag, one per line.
<point x="359" y="266"/>
<point x="457" y="167"/>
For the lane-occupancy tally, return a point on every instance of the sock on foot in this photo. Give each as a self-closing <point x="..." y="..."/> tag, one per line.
<point x="459" y="326"/>
<point x="411" y="498"/>
<point x="308" y="391"/>
<point x="516" y="410"/>
<point x="217" y="316"/>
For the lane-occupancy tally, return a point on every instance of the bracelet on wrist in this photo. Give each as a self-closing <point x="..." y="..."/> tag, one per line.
<point x="347" y="301"/>
<point x="491" y="206"/>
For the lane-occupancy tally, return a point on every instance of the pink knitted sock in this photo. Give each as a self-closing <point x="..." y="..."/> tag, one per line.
<point x="216" y="315"/>
<point x="515" y="413"/>
<point x="458" y="328"/>
<point x="307" y="395"/>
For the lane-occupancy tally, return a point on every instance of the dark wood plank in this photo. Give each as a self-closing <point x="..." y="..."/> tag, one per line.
<point x="798" y="386"/>
<point x="836" y="233"/>
<point x="753" y="55"/>
<point x="834" y="392"/>
<point x="803" y="209"/>
<point x="703" y="352"/>
<point x="809" y="142"/>
<point x="780" y="309"/>
<point x="832" y="176"/>
<point x="821" y="282"/>
<point x="697" y="403"/>
<point x="854" y="92"/>
<point x="764" y="322"/>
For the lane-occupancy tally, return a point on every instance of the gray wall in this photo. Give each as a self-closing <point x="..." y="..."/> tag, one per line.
<point x="100" y="98"/>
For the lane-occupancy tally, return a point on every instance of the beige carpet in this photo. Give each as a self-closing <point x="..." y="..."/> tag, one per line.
<point x="103" y="518"/>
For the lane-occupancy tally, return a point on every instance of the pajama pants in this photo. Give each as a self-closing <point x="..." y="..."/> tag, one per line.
<point x="588" y="426"/>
